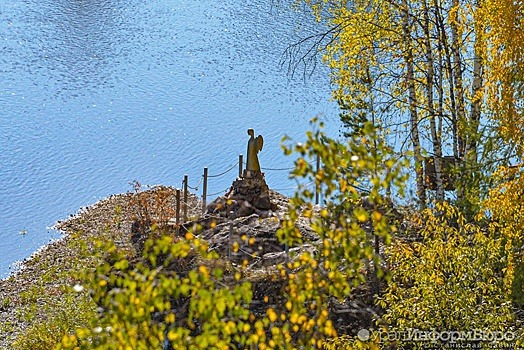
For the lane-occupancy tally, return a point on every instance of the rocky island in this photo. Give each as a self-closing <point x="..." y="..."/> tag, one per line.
<point x="247" y="218"/>
<point x="46" y="300"/>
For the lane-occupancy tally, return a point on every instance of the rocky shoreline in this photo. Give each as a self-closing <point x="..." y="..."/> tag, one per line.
<point x="50" y="268"/>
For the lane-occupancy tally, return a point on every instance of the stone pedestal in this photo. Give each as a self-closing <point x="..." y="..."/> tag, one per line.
<point x="247" y="195"/>
<point x="252" y="188"/>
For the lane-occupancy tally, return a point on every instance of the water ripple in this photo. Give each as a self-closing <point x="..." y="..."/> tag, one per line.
<point x="97" y="93"/>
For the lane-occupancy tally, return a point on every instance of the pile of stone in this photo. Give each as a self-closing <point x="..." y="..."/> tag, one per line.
<point x="242" y="227"/>
<point x="248" y="216"/>
<point x="248" y="195"/>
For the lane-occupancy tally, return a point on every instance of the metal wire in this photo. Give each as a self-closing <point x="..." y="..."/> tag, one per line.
<point x="285" y="169"/>
<point x="284" y="189"/>
<point x="308" y="184"/>
<point x="196" y="187"/>
<point x="214" y="194"/>
<point x="198" y="184"/>
<point x="225" y="172"/>
<point x="293" y="188"/>
<point x="278" y="169"/>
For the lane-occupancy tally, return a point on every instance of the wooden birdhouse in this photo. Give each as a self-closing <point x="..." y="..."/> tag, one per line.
<point x="447" y="176"/>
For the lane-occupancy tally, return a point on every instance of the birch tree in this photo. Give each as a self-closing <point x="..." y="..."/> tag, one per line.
<point x="443" y="74"/>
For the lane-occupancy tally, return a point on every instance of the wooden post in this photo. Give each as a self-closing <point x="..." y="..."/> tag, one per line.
<point x="177" y="206"/>
<point x="317" y="187"/>
<point x="177" y="220"/>
<point x="204" y="191"/>
<point x="230" y="238"/>
<point x="240" y="164"/>
<point x="185" y="196"/>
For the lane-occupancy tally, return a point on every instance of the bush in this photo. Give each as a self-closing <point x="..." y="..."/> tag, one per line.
<point x="450" y="281"/>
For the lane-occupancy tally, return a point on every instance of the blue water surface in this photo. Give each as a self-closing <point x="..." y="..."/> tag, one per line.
<point x="97" y="93"/>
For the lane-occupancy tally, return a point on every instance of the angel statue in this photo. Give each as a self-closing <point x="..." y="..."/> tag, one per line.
<point x="254" y="146"/>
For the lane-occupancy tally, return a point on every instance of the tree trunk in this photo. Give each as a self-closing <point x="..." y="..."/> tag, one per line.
<point x="410" y="81"/>
<point x="459" y="88"/>
<point x="456" y="68"/>
<point x="448" y="67"/>
<point x="457" y="78"/>
<point x="476" y="100"/>
<point x="437" y="146"/>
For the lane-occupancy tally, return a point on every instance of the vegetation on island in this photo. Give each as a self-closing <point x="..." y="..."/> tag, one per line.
<point x="418" y="81"/>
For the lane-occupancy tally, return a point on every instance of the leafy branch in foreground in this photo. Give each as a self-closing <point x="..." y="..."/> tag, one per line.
<point x="351" y="228"/>
<point x="144" y="305"/>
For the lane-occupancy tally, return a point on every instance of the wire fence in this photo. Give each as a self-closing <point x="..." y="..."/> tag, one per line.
<point x="278" y="169"/>
<point x="182" y="202"/>
<point x="224" y="172"/>
<point x="203" y="182"/>
<point x="196" y="186"/>
<point x="309" y="184"/>
<point x="241" y="232"/>
<point x="217" y="193"/>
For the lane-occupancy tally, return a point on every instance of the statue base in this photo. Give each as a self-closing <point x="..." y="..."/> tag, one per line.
<point x="252" y="188"/>
<point x="253" y="174"/>
<point x="247" y="195"/>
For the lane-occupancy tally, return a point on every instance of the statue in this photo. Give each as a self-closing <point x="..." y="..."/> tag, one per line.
<point x="254" y="146"/>
<point x="249" y="192"/>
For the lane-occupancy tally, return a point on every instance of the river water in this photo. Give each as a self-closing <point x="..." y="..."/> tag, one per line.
<point x="97" y="93"/>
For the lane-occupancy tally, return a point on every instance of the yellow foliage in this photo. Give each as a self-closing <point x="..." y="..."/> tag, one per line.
<point x="452" y="280"/>
<point x="505" y="207"/>
<point x="504" y="40"/>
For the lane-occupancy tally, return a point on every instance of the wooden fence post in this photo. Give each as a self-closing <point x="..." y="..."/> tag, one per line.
<point x="317" y="187"/>
<point x="185" y="196"/>
<point x="230" y="238"/>
<point x="177" y="210"/>
<point x="240" y="164"/>
<point x="204" y="191"/>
